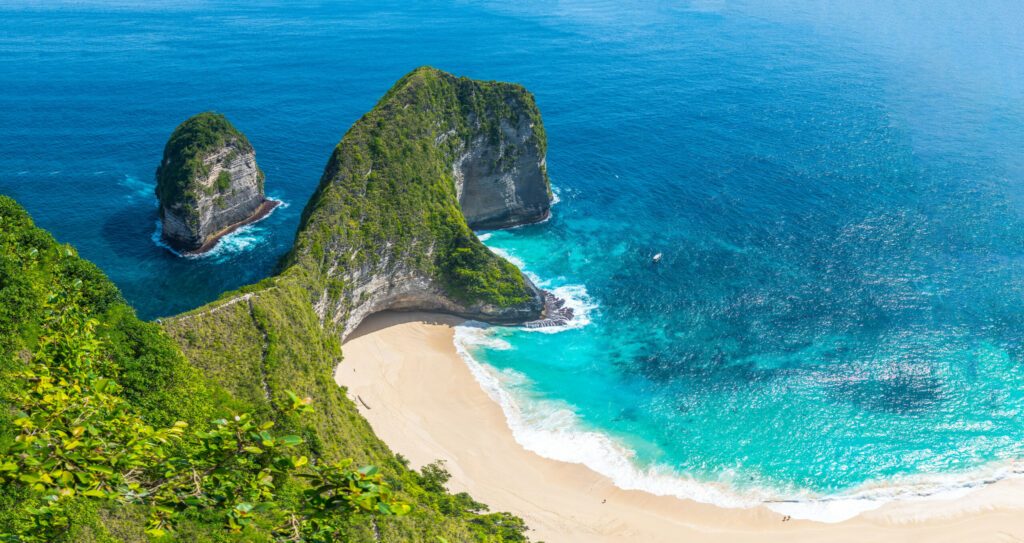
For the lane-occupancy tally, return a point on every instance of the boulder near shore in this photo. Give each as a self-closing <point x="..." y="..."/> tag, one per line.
<point x="208" y="184"/>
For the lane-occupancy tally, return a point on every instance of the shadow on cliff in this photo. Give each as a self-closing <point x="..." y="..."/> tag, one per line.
<point x="386" y="319"/>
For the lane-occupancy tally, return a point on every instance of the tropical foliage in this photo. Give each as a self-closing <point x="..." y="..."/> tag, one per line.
<point x="109" y="434"/>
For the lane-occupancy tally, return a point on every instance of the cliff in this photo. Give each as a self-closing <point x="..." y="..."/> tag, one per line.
<point x="389" y="225"/>
<point x="384" y="230"/>
<point x="208" y="183"/>
<point x="500" y="171"/>
<point x="239" y="368"/>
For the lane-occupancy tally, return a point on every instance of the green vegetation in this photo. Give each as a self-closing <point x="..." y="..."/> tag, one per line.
<point x="108" y="434"/>
<point x="224" y="181"/>
<point x="471" y="272"/>
<point x="116" y="430"/>
<point x="182" y="164"/>
<point x="78" y="437"/>
<point x="389" y="184"/>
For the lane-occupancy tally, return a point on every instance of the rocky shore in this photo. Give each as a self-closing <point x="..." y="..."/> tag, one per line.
<point x="261" y="213"/>
<point x="556" y="313"/>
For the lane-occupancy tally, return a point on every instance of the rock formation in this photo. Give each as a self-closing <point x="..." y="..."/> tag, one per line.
<point x="501" y="175"/>
<point x="384" y="230"/>
<point x="208" y="183"/>
<point x="389" y="226"/>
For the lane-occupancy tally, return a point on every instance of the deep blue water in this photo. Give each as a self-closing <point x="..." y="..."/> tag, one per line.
<point x="835" y="187"/>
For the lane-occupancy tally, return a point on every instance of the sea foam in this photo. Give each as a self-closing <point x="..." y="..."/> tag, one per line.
<point x="243" y="239"/>
<point x="552" y="429"/>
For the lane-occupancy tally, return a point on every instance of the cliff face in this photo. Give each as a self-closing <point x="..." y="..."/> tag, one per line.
<point x="385" y="230"/>
<point x="389" y="226"/>
<point x="207" y="182"/>
<point x="501" y="176"/>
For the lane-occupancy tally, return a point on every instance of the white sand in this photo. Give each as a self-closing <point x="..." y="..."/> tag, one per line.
<point x="425" y="404"/>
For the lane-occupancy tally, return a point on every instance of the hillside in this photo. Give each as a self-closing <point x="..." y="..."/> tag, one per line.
<point x="384" y="230"/>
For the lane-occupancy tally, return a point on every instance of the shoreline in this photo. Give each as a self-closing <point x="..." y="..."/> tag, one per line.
<point x="262" y="212"/>
<point x="266" y="207"/>
<point x="405" y="376"/>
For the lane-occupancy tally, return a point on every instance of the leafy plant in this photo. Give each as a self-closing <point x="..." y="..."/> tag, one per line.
<point x="224" y="180"/>
<point x="78" y="437"/>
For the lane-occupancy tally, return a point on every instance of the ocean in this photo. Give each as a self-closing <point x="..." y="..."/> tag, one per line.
<point x="836" y="189"/>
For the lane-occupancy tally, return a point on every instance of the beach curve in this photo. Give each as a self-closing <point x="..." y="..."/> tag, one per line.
<point x="407" y="379"/>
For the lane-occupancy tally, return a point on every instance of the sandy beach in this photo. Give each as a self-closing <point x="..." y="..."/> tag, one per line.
<point x="405" y="375"/>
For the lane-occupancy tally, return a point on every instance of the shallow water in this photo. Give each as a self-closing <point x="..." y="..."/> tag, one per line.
<point x="835" y="188"/>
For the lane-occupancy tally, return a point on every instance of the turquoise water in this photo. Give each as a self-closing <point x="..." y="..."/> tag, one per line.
<point x="835" y="188"/>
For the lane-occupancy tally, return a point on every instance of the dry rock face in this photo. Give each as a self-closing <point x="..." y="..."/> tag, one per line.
<point x="207" y="183"/>
<point x="502" y="182"/>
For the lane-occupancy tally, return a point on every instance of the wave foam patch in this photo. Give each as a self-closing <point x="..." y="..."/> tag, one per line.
<point x="244" y="239"/>
<point x="552" y="429"/>
<point x="577" y="299"/>
<point x="912" y="488"/>
<point x="480" y="335"/>
<point x="136" y="188"/>
<point x="505" y="254"/>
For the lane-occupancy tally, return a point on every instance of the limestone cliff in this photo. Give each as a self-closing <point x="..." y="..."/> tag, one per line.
<point x="384" y="230"/>
<point x="208" y="183"/>
<point x="501" y="175"/>
<point x="389" y="226"/>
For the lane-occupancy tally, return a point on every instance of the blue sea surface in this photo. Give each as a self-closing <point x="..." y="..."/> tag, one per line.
<point x="836" y="189"/>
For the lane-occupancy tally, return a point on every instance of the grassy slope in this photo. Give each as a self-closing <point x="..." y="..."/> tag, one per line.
<point x="237" y="373"/>
<point x="157" y="379"/>
<point x="256" y="343"/>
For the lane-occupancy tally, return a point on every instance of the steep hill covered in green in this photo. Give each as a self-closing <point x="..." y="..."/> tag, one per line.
<point x="59" y="310"/>
<point x="385" y="230"/>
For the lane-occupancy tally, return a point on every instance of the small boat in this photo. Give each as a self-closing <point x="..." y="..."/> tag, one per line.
<point x="657" y="258"/>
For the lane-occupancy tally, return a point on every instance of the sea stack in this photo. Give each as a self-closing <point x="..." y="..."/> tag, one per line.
<point x="208" y="184"/>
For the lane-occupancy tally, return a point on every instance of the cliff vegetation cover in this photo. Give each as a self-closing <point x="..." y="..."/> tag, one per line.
<point x="183" y="157"/>
<point x="224" y="423"/>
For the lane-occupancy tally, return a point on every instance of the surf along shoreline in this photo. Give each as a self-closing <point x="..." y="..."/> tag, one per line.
<point x="421" y="397"/>
<point x="265" y="209"/>
<point x="261" y="213"/>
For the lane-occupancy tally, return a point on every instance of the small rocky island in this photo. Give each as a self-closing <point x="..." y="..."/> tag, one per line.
<point x="208" y="184"/>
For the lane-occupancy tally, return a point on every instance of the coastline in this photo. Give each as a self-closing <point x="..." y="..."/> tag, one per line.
<point x="266" y="207"/>
<point x="404" y="374"/>
<point x="209" y="248"/>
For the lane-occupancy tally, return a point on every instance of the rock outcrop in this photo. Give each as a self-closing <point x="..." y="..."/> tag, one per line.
<point x="501" y="176"/>
<point x="208" y="183"/>
<point x="389" y="225"/>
